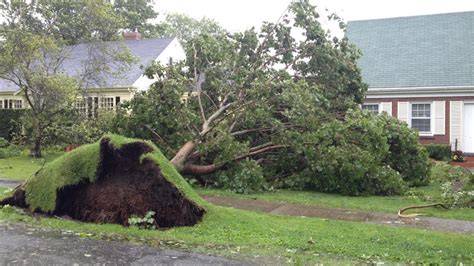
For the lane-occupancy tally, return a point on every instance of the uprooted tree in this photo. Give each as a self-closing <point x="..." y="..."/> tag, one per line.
<point x="109" y="182"/>
<point x="272" y="105"/>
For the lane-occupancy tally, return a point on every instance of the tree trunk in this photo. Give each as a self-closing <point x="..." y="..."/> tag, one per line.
<point x="179" y="159"/>
<point x="192" y="169"/>
<point x="181" y="163"/>
<point x="35" y="151"/>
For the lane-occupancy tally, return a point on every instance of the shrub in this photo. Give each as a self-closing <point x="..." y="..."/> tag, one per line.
<point x="79" y="130"/>
<point x="406" y="155"/>
<point x="9" y="122"/>
<point x="440" y="152"/>
<point x="7" y="149"/>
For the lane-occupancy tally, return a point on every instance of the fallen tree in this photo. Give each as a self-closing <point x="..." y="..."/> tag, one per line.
<point x="248" y="91"/>
<point x="109" y="182"/>
<point x="275" y="106"/>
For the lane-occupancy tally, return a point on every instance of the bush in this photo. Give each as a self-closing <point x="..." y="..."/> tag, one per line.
<point x="79" y="130"/>
<point x="7" y="149"/>
<point x="440" y="152"/>
<point x="406" y="155"/>
<point x="9" y="122"/>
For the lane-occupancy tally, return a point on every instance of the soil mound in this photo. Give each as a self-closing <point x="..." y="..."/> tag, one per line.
<point x="128" y="181"/>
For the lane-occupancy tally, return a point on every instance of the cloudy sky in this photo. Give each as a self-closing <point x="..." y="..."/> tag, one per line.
<point x="238" y="15"/>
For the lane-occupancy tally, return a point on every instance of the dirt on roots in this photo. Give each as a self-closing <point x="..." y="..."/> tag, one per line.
<point x="124" y="187"/>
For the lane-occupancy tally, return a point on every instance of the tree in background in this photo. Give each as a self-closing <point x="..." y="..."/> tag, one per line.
<point x="33" y="52"/>
<point x="137" y="14"/>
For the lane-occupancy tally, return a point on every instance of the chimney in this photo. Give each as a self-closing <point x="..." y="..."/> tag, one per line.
<point x="132" y="35"/>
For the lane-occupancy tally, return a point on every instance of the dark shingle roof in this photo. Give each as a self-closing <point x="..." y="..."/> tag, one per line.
<point x="145" y="52"/>
<point x="421" y="51"/>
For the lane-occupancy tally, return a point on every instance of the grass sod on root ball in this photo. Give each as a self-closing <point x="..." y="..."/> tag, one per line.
<point x="108" y="182"/>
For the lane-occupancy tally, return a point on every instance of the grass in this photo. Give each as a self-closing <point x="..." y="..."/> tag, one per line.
<point x="373" y="203"/>
<point x="388" y="204"/>
<point x="22" y="167"/>
<point x="245" y="234"/>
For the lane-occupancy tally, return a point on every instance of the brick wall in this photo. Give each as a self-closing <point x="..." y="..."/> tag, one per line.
<point x="437" y="139"/>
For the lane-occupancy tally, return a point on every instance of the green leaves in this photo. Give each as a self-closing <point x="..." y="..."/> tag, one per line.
<point x="136" y="13"/>
<point x="145" y="222"/>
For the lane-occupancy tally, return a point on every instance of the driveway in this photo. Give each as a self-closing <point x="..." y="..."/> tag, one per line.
<point x="20" y="244"/>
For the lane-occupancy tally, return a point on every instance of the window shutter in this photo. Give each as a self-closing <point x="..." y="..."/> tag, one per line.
<point x="386" y="107"/>
<point x="439" y="118"/>
<point x="455" y="116"/>
<point x="403" y="111"/>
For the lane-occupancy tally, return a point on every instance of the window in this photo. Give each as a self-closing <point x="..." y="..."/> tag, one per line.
<point x="107" y="103"/>
<point x="80" y="106"/>
<point x="1" y="104"/>
<point x="421" y="117"/>
<point x="92" y="105"/>
<point x="373" y="108"/>
<point x="12" y="104"/>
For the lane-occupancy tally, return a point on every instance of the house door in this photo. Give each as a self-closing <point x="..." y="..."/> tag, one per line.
<point x="468" y="132"/>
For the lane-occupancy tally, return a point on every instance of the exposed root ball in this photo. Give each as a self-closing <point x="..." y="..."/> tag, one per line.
<point x="124" y="186"/>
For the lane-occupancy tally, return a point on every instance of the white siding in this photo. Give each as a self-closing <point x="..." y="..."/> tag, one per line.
<point x="439" y="117"/>
<point x="402" y="113"/>
<point x="455" y="118"/>
<point x="386" y="107"/>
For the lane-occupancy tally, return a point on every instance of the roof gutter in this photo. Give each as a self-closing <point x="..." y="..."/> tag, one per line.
<point x="422" y="91"/>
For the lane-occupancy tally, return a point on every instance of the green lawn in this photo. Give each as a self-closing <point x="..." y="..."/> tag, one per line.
<point x="429" y="194"/>
<point x="22" y="166"/>
<point x="373" y="203"/>
<point x="250" y="235"/>
<point x="257" y="236"/>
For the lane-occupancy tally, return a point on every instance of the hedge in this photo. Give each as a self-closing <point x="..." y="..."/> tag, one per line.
<point x="440" y="152"/>
<point x="9" y="122"/>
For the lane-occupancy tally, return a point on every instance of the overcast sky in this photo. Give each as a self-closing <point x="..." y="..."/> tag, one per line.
<point x="238" y="15"/>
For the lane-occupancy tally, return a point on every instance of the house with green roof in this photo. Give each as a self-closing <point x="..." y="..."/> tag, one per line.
<point x="420" y="69"/>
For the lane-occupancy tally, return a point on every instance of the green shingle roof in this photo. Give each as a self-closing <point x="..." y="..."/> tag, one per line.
<point x="420" y="51"/>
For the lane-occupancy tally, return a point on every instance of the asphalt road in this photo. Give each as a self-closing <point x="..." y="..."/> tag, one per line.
<point x="26" y="246"/>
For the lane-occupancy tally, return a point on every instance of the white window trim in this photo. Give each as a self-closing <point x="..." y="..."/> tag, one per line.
<point x="377" y="104"/>
<point x="104" y="102"/>
<point x="432" y="120"/>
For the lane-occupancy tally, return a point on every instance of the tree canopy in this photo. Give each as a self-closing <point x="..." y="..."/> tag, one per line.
<point x="35" y="35"/>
